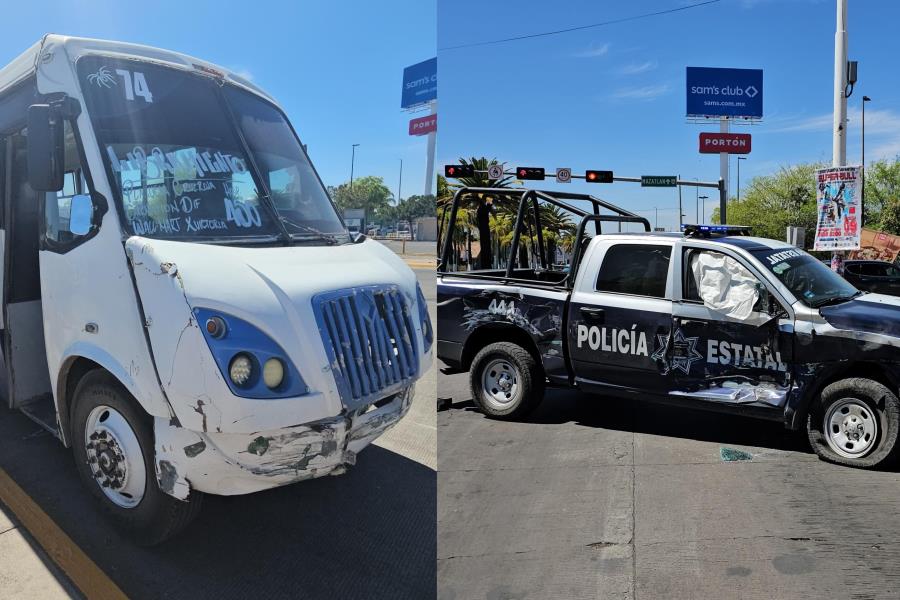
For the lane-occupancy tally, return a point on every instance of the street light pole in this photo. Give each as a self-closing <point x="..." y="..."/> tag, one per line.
<point x="704" y="206"/>
<point x="862" y="220"/>
<point x="352" y="163"/>
<point x="739" y="159"/>
<point x="400" y="183"/>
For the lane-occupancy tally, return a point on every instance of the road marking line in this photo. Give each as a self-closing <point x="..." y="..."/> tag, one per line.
<point x="420" y="264"/>
<point x="81" y="570"/>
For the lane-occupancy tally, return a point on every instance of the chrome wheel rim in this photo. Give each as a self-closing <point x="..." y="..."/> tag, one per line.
<point x="114" y="457"/>
<point x="851" y="428"/>
<point x="500" y="383"/>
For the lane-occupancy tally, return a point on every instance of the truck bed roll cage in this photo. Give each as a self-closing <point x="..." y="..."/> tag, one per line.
<point x="530" y="197"/>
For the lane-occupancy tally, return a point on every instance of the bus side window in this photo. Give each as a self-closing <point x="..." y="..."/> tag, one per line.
<point x="58" y="205"/>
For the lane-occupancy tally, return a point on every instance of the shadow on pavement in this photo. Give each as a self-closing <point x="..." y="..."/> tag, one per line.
<point x="639" y="416"/>
<point x="367" y="534"/>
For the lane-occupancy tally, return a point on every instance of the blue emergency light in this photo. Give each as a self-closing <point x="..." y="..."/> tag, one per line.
<point x="710" y="230"/>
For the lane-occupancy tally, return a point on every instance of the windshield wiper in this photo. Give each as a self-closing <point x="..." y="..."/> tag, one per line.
<point x="836" y="300"/>
<point x="311" y="232"/>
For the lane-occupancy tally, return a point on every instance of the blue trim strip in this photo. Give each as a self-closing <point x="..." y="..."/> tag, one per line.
<point x="243" y="337"/>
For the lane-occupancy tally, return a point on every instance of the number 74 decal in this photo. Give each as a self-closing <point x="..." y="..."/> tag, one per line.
<point x="135" y="82"/>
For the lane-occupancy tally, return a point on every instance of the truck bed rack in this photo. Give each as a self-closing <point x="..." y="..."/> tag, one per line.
<point x="528" y="199"/>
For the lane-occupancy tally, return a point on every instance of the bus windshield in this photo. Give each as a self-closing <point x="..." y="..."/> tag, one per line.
<point x="194" y="160"/>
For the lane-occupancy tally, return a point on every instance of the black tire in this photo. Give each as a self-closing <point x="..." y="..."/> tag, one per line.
<point x="528" y="375"/>
<point x="885" y="411"/>
<point x="158" y="516"/>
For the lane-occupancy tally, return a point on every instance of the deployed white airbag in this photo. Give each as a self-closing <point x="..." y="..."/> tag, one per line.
<point x="724" y="284"/>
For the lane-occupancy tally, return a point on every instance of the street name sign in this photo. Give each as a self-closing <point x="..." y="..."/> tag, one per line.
<point x="659" y="181"/>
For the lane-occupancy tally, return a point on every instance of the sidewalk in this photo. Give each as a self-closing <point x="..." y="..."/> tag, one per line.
<point x="26" y="572"/>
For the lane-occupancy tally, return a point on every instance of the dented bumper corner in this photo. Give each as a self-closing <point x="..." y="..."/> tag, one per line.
<point x="241" y="463"/>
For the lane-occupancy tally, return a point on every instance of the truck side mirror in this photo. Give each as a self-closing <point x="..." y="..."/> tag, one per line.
<point x="46" y="154"/>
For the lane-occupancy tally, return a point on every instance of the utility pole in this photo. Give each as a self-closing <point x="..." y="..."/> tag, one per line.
<point x="839" y="139"/>
<point x="862" y="220"/>
<point x="352" y="163"/>
<point x="680" y="211"/>
<point x="400" y="183"/>
<point x="839" y="129"/>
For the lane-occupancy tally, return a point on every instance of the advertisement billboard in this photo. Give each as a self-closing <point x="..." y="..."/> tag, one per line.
<point x="734" y="93"/>
<point x="838" y="206"/>
<point x="730" y="143"/>
<point x="423" y="125"/>
<point x="419" y="84"/>
<point x="877" y="245"/>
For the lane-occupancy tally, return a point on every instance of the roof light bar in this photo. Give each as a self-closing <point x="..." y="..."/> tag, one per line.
<point x="710" y="230"/>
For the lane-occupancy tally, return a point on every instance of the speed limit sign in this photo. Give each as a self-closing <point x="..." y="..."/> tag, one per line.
<point x="495" y="172"/>
<point x="564" y="175"/>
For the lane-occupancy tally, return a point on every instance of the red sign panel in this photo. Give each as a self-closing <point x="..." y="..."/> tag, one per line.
<point x="423" y="125"/>
<point x="731" y="143"/>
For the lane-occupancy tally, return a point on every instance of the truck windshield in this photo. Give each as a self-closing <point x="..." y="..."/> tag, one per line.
<point x="811" y="281"/>
<point x="194" y="160"/>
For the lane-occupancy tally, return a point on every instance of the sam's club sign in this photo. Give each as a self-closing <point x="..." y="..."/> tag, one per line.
<point x="724" y="92"/>
<point x="419" y="83"/>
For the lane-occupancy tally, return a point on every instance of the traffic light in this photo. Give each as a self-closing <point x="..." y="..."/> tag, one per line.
<point x="530" y="172"/>
<point x="457" y="171"/>
<point x="598" y="176"/>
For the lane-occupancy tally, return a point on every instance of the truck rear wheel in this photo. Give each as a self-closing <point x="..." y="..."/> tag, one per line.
<point x="855" y="423"/>
<point x="112" y="440"/>
<point x="506" y="381"/>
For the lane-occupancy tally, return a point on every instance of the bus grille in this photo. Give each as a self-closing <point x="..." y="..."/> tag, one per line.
<point x="370" y="341"/>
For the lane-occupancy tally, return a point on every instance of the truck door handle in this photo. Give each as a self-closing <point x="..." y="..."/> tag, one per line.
<point x="592" y="314"/>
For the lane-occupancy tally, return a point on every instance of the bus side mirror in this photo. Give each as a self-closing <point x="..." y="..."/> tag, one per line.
<point x="81" y="214"/>
<point x="46" y="159"/>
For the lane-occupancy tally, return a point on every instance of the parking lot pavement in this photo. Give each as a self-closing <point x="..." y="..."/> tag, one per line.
<point x="367" y="534"/>
<point x="599" y="498"/>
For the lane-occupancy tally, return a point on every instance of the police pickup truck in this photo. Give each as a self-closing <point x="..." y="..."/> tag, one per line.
<point x="710" y="318"/>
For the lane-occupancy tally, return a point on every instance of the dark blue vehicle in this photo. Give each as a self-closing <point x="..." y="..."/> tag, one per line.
<point x="710" y="318"/>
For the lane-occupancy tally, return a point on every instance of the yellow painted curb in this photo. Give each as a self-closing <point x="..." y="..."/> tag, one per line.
<point x="81" y="570"/>
<point x="420" y="264"/>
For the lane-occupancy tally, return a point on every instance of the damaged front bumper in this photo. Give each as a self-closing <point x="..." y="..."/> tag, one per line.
<point x="241" y="463"/>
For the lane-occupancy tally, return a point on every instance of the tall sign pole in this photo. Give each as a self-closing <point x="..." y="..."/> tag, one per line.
<point x="839" y="140"/>
<point x="429" y="167"/>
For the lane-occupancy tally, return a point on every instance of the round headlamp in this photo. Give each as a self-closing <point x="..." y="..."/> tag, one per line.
<point x="240" y="369"/>
<point x="273" y="373"/>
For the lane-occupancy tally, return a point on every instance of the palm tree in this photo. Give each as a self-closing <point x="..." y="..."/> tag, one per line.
<point x="482" y="205"/>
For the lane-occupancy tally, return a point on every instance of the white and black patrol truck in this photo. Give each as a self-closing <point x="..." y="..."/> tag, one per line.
<point x="710" y="318"/>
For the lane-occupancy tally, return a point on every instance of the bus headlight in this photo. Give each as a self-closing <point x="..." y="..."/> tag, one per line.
<point x="240" y="369"/>
<point x="273" y="373"/>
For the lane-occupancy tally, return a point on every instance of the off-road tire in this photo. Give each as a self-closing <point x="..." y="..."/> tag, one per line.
<point x="529" y="376"/>
<point x="158" y="516"/>
<point x="880" y="400"/>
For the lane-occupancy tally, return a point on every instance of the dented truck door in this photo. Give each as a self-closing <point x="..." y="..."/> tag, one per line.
<point x="620" y="317"/>
<point x="731" y="342"/>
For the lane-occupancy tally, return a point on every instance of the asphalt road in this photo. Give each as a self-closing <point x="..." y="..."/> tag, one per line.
<point x="600" y="498"/>
<point x="367" y="534"/>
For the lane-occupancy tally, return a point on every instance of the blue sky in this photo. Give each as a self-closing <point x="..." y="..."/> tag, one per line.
<point x="335" y="67"/>
<point x="613" y="97"/>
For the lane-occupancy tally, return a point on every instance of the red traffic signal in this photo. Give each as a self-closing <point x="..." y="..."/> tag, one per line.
<point x="456" y="171"/>
<point x="598" y="176"/>
<point x="530" y="172"/>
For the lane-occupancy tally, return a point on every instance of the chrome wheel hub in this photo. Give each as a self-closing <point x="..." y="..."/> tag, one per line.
<point x="114" y="456"/>
<point x="851" y="428"/>
<point x="500" y="382"/>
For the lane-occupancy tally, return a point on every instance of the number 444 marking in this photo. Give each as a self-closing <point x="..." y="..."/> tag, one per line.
<point x="135" y="85"/>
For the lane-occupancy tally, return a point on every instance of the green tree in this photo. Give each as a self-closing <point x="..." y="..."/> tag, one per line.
<point x="882" y="191"/>
<point x="889" y="217"/>
<point x="772" y="202"/>
<point x="368" y="192"/>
